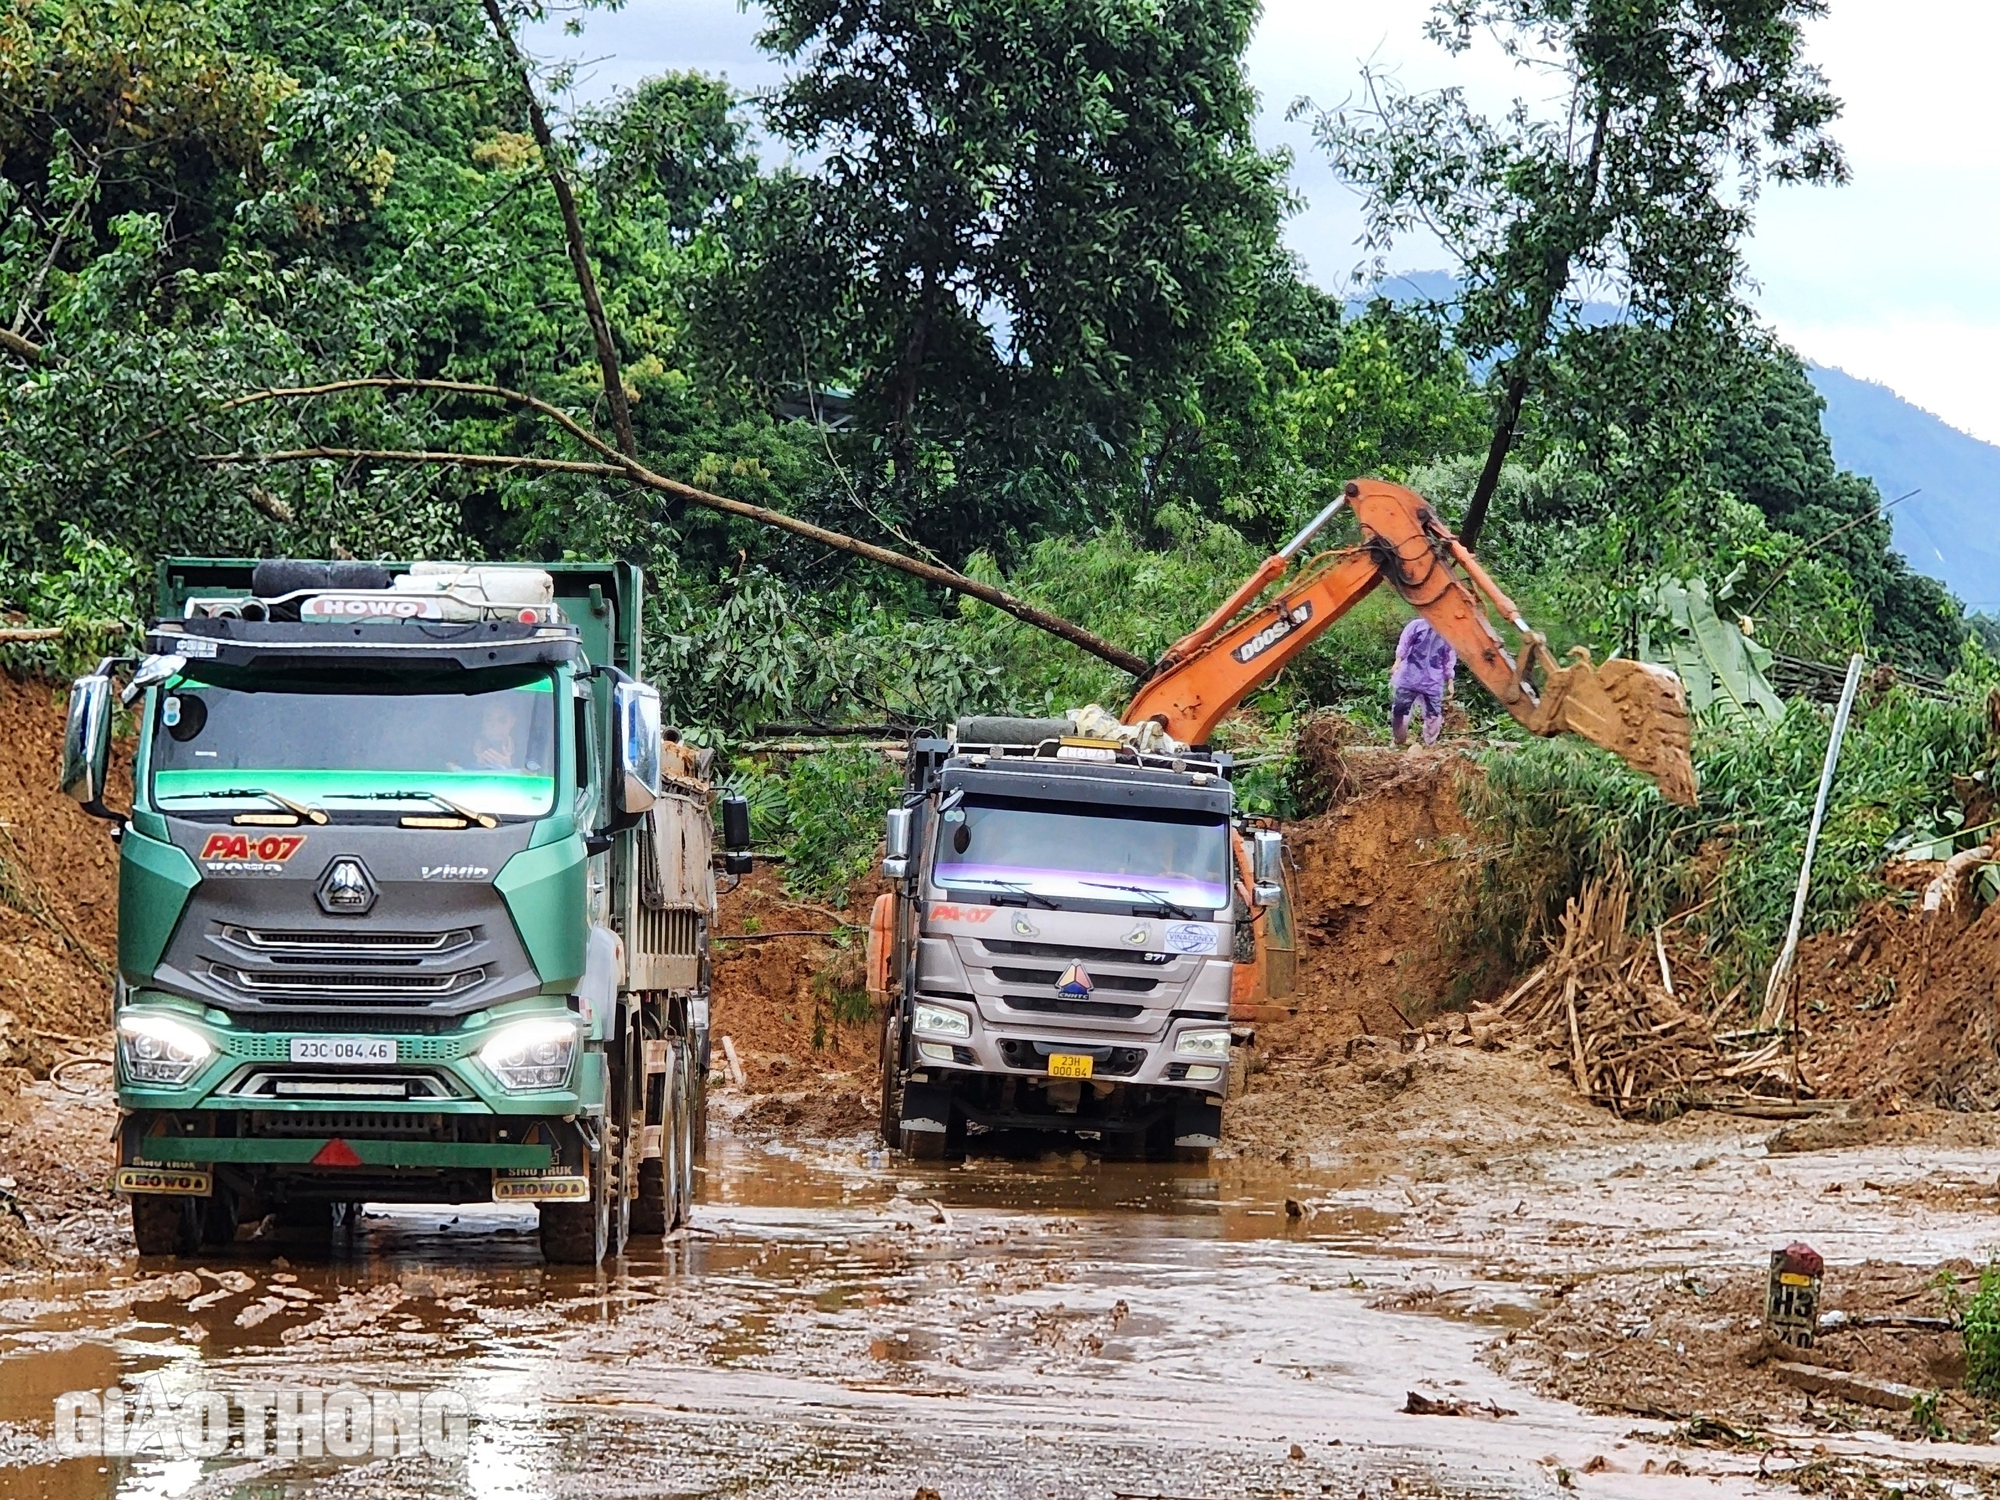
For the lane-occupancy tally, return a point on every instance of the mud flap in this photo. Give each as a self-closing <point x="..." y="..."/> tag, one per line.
<point x="926" y="1108"/>
<point x="1198" y="1124"/>
<point x="566" y="1179"/>
<point x="154" y="1170"/>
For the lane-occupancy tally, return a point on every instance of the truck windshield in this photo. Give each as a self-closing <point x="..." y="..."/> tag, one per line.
<point x="486" y="740"/>
<point x="1083" y="853"/>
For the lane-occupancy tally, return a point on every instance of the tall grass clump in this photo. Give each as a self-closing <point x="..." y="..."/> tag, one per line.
<point x="1551" y="815"/>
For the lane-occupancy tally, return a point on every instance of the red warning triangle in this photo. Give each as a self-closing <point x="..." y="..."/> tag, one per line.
<point x="336" y="1153"/>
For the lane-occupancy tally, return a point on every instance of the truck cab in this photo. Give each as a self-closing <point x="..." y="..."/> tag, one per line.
<point x="1061" y="947"/>
<point x="413" y="902"/>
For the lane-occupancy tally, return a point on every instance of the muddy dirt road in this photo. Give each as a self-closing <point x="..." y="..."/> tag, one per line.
<point x="842" y="1323"/>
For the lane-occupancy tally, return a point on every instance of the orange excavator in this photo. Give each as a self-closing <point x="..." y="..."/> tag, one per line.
<point x="1634" y="709"/>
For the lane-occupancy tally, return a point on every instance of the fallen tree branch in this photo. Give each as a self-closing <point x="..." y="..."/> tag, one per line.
<point x="28" y="349"/>
<point x="618" y="466"/>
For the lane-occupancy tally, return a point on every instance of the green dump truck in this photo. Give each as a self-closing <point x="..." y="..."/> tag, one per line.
<point x="414" y="901"/>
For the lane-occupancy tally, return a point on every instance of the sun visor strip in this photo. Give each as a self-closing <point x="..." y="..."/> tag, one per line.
<point x="1098" y="790"/>
<point x="430" y="643"/>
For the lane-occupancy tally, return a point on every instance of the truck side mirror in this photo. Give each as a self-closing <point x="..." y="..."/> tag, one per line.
<point x="896" y="844"/>
<point x="1267" y="866"/>
<point x="86" y="758"/>
<point x="736" y="836"/>
<point x="635" y="710"/>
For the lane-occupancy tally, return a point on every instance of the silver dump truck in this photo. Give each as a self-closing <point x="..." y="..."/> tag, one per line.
<point x="1068" y="921"/>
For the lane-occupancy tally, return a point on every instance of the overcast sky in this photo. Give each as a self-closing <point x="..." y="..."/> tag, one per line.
<point x="1893" y="278"/>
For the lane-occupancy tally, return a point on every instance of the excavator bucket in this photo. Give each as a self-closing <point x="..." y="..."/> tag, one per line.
<point x="1634" y="709"/>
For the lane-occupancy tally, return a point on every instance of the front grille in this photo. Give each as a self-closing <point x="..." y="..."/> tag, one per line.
<point x="363" y="947"/>
<point x="322" y="1021"/>
<point x="1055" y="1005"/>
<point x="1082" y="955"/>
<point x="1127" y="982"/>
<point x="373" y="1125"/>
<point x="296" y="982"/>
<point x="1108" y="1062"/>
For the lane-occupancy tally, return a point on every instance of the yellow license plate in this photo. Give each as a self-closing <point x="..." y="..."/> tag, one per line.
<point x="1067" y="1065"/>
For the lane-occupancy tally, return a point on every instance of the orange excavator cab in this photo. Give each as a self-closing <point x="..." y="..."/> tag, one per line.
<point x="1636" y="710"/>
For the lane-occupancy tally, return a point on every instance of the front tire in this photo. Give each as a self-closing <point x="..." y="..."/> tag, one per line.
<point x="583" y="1234"/>
<point x="579" y="1234"/>
<point x="891" y="1121"/>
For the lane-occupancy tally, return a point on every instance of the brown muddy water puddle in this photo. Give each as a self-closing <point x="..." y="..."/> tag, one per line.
<point x="848" y="1324"/>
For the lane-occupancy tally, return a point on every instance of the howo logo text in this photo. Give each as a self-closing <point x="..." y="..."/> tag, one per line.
<point x="454" y="872"/>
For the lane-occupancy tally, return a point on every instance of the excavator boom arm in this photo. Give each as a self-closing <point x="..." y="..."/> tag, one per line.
<point x="1634" y="709"/>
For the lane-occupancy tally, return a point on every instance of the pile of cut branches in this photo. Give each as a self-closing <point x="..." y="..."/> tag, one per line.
<point x="1603" y="1007"/>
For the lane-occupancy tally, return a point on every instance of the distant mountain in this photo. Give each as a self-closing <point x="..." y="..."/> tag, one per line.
<point x="1951" y="529"/>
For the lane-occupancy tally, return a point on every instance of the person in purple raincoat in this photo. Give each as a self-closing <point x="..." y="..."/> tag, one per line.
<point x="1424" y="666"/>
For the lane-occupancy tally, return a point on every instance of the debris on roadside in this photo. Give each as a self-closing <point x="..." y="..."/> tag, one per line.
<point x="1602" y="1008"/>
<point x="1887" y="1395"/>
<point x="1416" y="1404"/>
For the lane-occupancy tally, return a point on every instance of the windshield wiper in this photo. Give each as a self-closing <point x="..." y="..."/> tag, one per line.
<point x="1008" y="885"/>
<point x="1158" y="898"/>
<point x="304" y="811"/>
<point x="456" y="809"/>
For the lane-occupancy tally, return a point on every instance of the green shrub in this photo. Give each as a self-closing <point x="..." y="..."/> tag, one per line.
<point x="834" y="804"/>
<point x="1979" y="1321"/>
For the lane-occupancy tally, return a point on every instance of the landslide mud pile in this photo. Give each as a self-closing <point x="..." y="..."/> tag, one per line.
<point x="58" y="891"/>
<point x="790" y="995"/>
<point x="1375" y="876"/>
<point x="1903" y="1010"/>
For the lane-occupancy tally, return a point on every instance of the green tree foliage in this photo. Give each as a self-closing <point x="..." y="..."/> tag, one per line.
<point x="1634" y="181"/>
<point x="1124" y="393"/>
<point x="1027" y="228"/>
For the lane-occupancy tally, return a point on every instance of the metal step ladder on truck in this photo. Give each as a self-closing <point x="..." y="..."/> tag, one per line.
<point x="414" y="902"/>
<point x="1081" y="927"/>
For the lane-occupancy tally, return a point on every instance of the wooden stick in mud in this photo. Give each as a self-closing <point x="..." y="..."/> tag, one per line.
<point x="736" y="1074"/>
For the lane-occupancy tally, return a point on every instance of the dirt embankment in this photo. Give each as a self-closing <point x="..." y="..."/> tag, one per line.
<point x="790" y="995"/>
<point x="1903" y="1010"/>
<point x="58" y="891"/>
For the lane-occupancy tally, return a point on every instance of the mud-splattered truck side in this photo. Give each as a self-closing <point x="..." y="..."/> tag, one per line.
<point x="413" y="902"/>
<point x="1062" y="941"/>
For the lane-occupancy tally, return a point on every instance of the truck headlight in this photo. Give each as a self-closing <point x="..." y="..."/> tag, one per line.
<point x="157" y="1049"/>
<point x="531" y="1054"/>
<point x="935" y="1020"/>
<point x="1212" y="1044"/>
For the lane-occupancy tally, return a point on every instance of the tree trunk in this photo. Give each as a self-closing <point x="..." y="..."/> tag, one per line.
<point x="1535" y="335"/>
<point x="909" y="381"/>
<point x="579" y="254"/>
